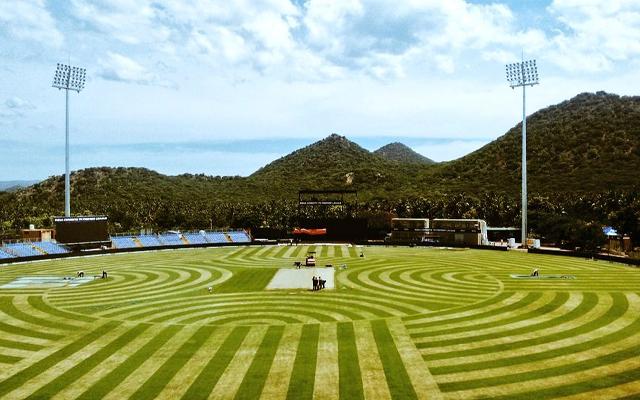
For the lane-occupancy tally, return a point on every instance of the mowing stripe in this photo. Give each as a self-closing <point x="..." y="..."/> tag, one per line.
<point x="304" y="367"/>
<point x="153" y="385"/>
<point x="419" y="376"/>
<point x="18" y="379"/>
<point x="337" y="251"/>
<point x="86" y="365"/>
<point x="599" y="378"/>
<point x="350" y="381"/>
<point x="9" y="307"/>
<point x="373" y="379"/>
<point x="277" y="382"/>
<point x="190" y="370"/>
<point x="209" y="376"/>
<point x="32" y="331"/>
<point x="324" y="251"/>
<point x="352" y="251"/>
<point x="563" y="352"/>
<point x="127" y="385"/>
<point x="394" y="369"/>
<point x="232" y="377"/>
<point x="416" y="321"/>
<point x="297" y="251"/>
<point x="558" y="317"/>
<point x="124" y="366"/>
<point x="255" y="378"/>
<point x="280" y="253"/>
<point x="624" y="391"/>
<point x="506" y="307"/>
<point x="250" y="252"/>
<point x="618" y="308"/>
<point x="543" y="306"/>
<point x="13" y="344"/>
<point x="327" y="370"/>
<point x="6" y="359"/>
<point x="69" y="363"/>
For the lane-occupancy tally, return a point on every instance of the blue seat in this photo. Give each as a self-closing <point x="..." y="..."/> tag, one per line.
<point x="123" y="242"/>
<point x="216" y="237"/>
<point x="149" y="240"/>
<point x="5" y="254"/>
<point x="195" y="238"/>
<point x="239" y="237"/>
<point x="23" y="249"/>
<point x="51" y="248"/>
<point x="170" y="239"/>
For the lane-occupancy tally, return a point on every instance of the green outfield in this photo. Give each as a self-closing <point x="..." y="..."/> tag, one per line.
<point x="402" y="323"/>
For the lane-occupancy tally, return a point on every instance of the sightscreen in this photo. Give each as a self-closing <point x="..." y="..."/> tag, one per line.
<point x="85" y="229"/>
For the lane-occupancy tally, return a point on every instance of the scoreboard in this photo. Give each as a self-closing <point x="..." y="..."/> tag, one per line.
<point x="81" y="229"/>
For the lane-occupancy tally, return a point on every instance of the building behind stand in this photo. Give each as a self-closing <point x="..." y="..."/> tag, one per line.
<point x="468" y="232"/>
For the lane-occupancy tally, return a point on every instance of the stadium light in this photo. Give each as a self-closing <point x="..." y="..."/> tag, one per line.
<point x="68" y="78"/>
<point x="524" y="73"/>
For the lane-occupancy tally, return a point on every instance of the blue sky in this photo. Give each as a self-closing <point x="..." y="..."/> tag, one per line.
<point x="224" y="87"/>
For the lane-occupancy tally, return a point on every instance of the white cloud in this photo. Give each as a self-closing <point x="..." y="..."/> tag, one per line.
<point x="130" y="21"/>
<point x="29" y="20"/>
<point x="117" y="67"/>
<point x="15" y="107"/>
<point x="595" y="34"/>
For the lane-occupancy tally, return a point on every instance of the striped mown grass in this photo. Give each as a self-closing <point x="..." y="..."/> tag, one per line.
<point x="402" y="323"/>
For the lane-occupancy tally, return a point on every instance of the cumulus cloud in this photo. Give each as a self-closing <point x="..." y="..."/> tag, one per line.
<point x="117" y="67"/>
<point x="29" y="20"/>
<point x="16" y="107"/>
<point x="594" y="34"/>
<point x="129" y="21"/>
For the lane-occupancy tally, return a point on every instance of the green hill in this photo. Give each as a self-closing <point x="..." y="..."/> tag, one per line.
<point x="577" y="149"/>
<point x="589" y="143"/>
<point x="402" y="153"/>
<point x="333" y="163"/>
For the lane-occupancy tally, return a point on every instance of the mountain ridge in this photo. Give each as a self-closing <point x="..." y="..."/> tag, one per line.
<point x="587" y="144"/>
<point x="402" y="153"/>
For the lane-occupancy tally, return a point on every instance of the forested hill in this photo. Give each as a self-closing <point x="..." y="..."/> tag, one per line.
<point x="589" y="143"/>
<point x="402" y="153"/>
<point x="334" y="162"/>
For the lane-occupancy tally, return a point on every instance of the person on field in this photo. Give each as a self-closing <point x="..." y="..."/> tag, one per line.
<point x="104" y="274"/>
<point x="315" y="283"/>
<point x="535" y="272"/>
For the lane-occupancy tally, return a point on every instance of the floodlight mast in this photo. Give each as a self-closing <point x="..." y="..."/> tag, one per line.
<point x="68" y="78"/>
<point x="523" y="74"/>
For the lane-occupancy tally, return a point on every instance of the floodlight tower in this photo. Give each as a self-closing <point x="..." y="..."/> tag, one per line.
<point x="524" y="73"/>
<point x="68" y="78"/>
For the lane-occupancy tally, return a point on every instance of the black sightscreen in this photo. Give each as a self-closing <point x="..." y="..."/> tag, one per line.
<point x="86" y="229"/>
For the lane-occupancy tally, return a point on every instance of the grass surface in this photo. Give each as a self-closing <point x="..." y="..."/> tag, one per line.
<point x="402" y="324"/>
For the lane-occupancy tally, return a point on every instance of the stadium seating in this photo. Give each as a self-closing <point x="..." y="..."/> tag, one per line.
<point x="170" y="239"/>
<point x="23" y="249"/>
<point x="123" y="242"/>
<point x="195" y="238"/>
<point x="4" y="254"/>
<point x="149" y="240"/>
<point x="51" y="248"/>
<point x="216" y="237"/>
<point x="239" y="237"/>
<point x="32" y="249"/>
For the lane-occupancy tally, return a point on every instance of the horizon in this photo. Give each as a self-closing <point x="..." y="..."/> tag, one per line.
<point x="224" y="89"/>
